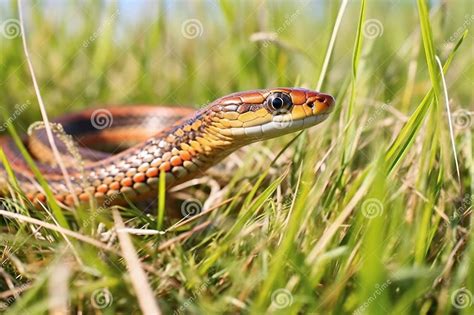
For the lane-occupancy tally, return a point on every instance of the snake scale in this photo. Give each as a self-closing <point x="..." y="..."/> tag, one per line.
<point x="181" y="142"/>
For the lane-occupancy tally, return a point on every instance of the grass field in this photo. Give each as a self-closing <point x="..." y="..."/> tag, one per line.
<point x="363" y="214"/>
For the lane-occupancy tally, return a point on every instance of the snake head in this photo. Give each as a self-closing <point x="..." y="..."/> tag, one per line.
<point x="262" y="114"/>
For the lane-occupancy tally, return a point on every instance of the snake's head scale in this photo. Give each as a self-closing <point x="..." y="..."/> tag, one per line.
<point x="262" y="114"/>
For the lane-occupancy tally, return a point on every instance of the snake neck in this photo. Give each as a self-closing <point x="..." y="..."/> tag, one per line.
<point x="197" y="141"/>
<point x="183" y="151"/>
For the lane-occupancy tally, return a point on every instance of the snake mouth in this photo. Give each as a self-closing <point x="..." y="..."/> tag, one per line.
<point x="279" y="125"/>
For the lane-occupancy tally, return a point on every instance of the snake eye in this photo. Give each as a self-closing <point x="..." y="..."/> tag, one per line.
<point x="279" y="102"/>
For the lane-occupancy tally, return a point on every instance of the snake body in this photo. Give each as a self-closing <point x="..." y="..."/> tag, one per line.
<point x="181" y="142"/>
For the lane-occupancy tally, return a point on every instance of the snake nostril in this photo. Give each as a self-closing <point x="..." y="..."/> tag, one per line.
<point x="310" y="104"/>
<point x="321" y="99"/>
<point x="326" y="99"/>
<point x="330" y="100"/>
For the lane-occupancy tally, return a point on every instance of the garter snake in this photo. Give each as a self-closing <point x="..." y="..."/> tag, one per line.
<point x="182" y="142"/>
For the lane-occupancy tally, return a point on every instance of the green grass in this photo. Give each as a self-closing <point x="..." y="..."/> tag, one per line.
<point x="363" y="213"/>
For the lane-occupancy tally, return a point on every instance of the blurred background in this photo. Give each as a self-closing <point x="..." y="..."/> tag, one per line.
<point x="191" y="52"/>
